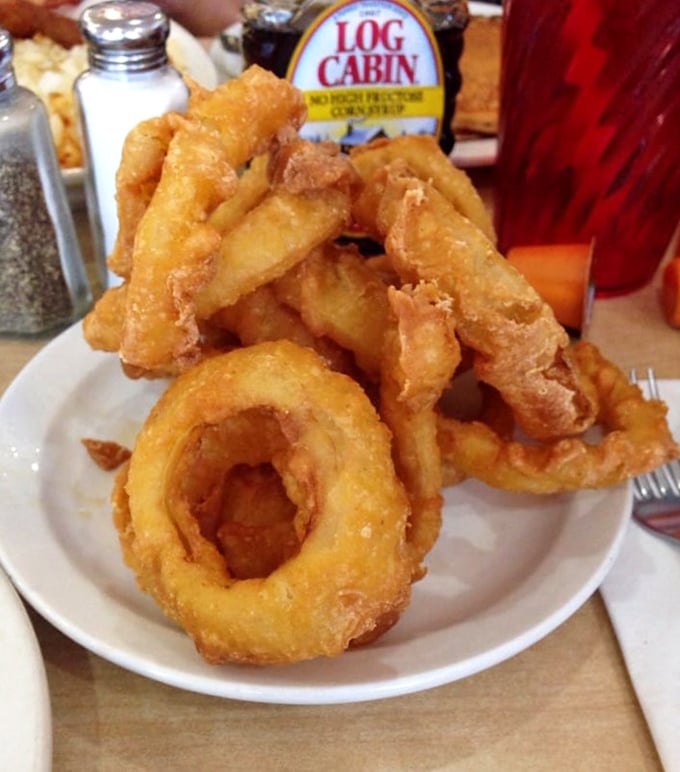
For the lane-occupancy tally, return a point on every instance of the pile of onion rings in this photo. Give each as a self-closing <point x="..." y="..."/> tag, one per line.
<point x="284" y="493"/>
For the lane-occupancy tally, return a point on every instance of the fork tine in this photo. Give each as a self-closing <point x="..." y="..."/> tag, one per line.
<point x="659" y="482"/>
<point x="667" y="471"/>
<point x="656" y="477"/>
<point x="671" y="477"/>
<point x="647" y="488"/>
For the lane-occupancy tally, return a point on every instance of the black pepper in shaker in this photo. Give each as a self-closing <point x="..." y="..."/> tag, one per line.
<point x="43" y="283"/>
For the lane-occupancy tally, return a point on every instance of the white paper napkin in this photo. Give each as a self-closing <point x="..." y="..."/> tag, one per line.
<point x="642" y="595"/>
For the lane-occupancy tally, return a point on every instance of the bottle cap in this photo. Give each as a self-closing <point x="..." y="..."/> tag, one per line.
<point x="125" y="36"/>
<point x="6" y="52"/>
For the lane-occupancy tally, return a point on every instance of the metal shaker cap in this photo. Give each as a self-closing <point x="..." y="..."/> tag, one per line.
<point x="125" y="36"/>
<point x="6" y="53"/>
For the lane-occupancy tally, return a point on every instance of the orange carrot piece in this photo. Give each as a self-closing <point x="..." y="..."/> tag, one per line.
<point x="670" y="292"/>
<point x="560" y="275"/>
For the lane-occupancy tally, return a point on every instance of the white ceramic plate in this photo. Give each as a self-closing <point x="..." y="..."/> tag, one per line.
<point x="193" y="56"/>
<point x="474" y="153"/>
<point x="25" y="719"/>
<point x="506" y="570"/>
<point x="480" y="8"/>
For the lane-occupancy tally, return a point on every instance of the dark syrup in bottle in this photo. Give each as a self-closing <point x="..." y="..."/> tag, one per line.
<point x="272" y="49"/>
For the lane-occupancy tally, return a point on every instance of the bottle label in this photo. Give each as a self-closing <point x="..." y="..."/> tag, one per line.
<point x="369" y="68"/>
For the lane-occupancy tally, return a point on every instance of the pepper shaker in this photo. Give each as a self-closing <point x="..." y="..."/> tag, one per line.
<point x="129" y="79"/>
<point x="43" y="283"/>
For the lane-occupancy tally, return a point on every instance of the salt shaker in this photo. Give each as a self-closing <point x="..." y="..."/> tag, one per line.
<point x="128" y="80"/>
<point x="43" y="283"/>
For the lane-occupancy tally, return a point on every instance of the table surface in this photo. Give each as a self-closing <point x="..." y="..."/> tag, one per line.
<point x="566" y="703"/>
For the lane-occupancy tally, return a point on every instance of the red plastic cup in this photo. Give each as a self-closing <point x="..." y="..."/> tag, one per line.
<point x="589" y="134"/>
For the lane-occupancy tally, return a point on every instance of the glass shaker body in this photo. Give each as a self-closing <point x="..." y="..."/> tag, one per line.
<point x="43" y="282"/>
<point x="129" y="80"/>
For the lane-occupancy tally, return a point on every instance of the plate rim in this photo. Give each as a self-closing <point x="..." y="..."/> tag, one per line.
<point x="31" y="744"/>
<point x="480" y="8"/>
<point x="71" y="342"/>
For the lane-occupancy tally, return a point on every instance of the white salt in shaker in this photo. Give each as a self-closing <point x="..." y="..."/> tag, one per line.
<point x="129" y="80"/>
<point x="43" y="283"/>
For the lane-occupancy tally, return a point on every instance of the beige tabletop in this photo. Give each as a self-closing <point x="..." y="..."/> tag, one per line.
<point x="566" y="703"/>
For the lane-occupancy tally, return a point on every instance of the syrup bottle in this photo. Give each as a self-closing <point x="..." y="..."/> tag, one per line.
<point x="368" y="68"/>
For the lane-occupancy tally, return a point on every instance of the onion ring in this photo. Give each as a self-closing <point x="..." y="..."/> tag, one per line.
<point x="139" y="172"/>
<point x="160" y="331"/>
<point x="420" y="355"/>
<point x="333" y="453"/>
<point x="636" y="439"/>
<point x="340" y="297"/>
<point x="425" y="159"/>
<point x="520" y="348"/>
<point x="260" y="316"/>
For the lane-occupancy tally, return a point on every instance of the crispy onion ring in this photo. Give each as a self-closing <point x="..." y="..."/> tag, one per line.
<point x="260" y="316"/>
<point x="519" y="346"/>
<point x="194" y="179"/>
<point x="636" y="439"/>
<point x="420" y="355"/>
<point x="324" y="438"/>
<point x="143" y="155"/>
<point x="424" y="158"/>
<point x="338" y="296"/>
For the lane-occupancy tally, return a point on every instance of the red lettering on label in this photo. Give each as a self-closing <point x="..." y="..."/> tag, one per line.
<point x="342" y="48"/>
<point x="393" y="42"/>
<point x="324" y="70"/>
<point x="368" y="34"/>
<point x="367" y="69"/>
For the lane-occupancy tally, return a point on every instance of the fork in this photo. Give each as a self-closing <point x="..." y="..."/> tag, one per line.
<point x="656" y="494"/>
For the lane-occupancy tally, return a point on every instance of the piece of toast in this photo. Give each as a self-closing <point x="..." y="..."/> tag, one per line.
<point x="480" y="65"/>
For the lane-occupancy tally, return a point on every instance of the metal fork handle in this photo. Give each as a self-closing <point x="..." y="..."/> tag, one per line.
<point x="666" y="521"/>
